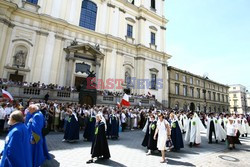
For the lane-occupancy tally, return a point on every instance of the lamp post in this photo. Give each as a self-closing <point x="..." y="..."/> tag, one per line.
<point x="204" y="92"/>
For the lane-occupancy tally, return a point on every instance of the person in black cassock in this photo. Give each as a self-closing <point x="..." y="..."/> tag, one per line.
<point x="149" y="141"/>
<point x="90" y="128"/>
<point x="176" y="135"/>
<point x="71" y="133"/>
<point x="100" y="148"/>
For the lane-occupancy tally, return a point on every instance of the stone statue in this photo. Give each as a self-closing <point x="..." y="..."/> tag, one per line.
<point x="74" y="43"/>
<point x="19" y="59"/>
<point x="91" y="74"/>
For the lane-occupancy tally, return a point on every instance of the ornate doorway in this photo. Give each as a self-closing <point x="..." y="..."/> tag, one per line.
<point x="16" y="78"/>
<point x="88" y="100"/>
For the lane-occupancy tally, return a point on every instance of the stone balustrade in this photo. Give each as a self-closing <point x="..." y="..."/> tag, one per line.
<point x="25" y="93"/>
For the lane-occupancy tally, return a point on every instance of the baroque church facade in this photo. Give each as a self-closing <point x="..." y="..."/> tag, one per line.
<point x="58" y="41"/>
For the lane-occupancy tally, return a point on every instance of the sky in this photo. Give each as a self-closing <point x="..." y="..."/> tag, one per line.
<point x="210" y="36"/>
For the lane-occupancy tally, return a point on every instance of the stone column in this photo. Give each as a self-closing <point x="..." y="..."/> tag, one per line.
<point x="70" y="59"/>
<point x="6" y="28"/>
<point x="97" y="67"/>
<point x="165" y="82"/>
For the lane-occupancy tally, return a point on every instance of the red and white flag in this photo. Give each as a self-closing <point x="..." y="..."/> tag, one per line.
<point x="125" y="100"/>
<point x="7" y="95"/>
<point x="118" y="105"/>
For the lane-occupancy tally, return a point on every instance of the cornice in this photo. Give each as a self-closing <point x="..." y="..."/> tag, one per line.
<point x="7" y="22"/>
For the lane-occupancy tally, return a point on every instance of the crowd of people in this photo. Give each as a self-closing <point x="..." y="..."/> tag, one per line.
<point x="38" y="84"/>
<point x="165" y="130"/>
<point x="120" y="94"/>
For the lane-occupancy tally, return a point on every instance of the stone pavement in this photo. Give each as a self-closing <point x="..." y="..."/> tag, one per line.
<point x="127" y="151"/>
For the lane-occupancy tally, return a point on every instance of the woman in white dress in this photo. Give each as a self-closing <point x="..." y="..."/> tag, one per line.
<point x="164" y="133"/>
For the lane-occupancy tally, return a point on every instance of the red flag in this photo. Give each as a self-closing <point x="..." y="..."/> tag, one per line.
<point x="125" y="100"/>
<point x="7" y="95"/>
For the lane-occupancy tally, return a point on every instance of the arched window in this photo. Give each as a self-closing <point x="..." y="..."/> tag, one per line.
<point x="88" y="15"/>
<point x="32" y="1"/>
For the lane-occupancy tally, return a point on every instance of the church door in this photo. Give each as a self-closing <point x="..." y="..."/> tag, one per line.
<point x="16" y="78"/>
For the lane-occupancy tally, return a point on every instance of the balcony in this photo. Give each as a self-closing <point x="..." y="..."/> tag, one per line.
<point x="64" y="96"/>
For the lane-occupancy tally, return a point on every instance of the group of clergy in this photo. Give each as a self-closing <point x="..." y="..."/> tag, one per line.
<point x="222" y="128"/>
<point x="25" y="144"/>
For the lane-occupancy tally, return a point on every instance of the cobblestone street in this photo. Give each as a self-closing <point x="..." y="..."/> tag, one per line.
<point x="127" y="151"/>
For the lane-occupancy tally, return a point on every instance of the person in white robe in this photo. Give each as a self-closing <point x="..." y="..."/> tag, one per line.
<point x="183" y="122"/>
<point x="194" y="129"/>
<point x="245" y="126"/>
<point x="213" y="126"/>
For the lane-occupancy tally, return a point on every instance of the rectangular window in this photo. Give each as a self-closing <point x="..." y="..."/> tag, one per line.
<point x="214" y="96"/>
<point x="226" y="98"/>
<point x="223" y="98"/>
<point x="191" y="80"/>
<point x="184" y="79"/>
<point x="153" y="81"/>
<point x="198" y="93"/>
<point x="218" y="96"/>
<point x="235" y="103"/>
<point x="198" y="82"/>
<point x="209" y="96"/>
<point x="184" y="90"/>
<point x="32" y="1"/>
<point x="177" y="77"/>
<point x="152" y="40"/>
<point x="192" y="92"/>
<point x="129" y="31"/>
<point x="177" y="89"/>
<point x="153" y="4"/>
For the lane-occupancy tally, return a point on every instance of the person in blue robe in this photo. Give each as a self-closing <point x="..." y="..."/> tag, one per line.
<point x="39" y="147"/>
<point x="17" y="149"/>
<point x="176" y="135"/>
<point x="114" y="126"/>
<point x="89" y="131"/>
<point x="71" y="133"/>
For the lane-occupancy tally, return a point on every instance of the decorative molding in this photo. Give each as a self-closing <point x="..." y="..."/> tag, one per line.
<point x="153" y="46"/>
<point x="122" y="10"/>
<point x="30" y="6"/>
<point x="153" y="70"/>
<point x="42" y="33"/>
<point x="110" y="5"/>
<point x="141" y="17"/>
<point x="163" y="28"/>
<point x="130" y="19"/>
<point x="17" y="69"/>
<point x="127" y="63"/>
<point x="7" y="22"/>
<point x="153" y="28"/>
<point x="107" y="49"/>
<point x="24" y="40"/>
<point x="140" y="58"/>
<point x="59" y="37"/>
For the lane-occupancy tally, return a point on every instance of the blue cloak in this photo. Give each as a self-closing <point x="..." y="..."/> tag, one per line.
<point x="114" y="127"/>
<point x="39" y="149"/>
<point x="89" y="131"/>
<point x="176" y="135"/>
<point x="17" y="149"/>
<point x="72" y="129"/>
